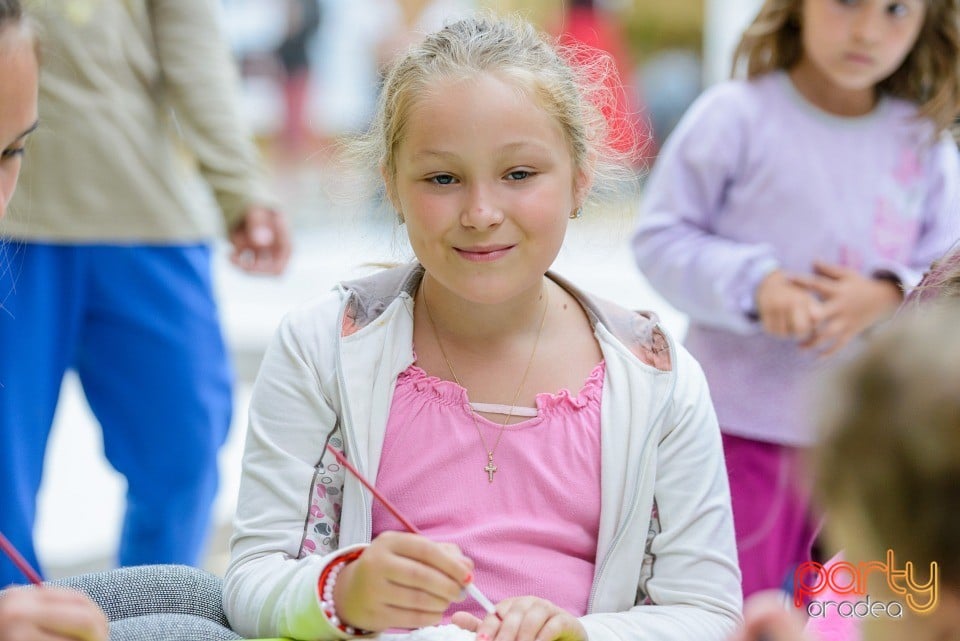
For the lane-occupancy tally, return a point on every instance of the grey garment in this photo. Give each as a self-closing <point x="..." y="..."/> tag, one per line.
<point x="157" y="603"/>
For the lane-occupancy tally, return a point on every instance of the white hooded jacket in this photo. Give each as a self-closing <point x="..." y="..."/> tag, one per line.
<point x="666" y="565"/>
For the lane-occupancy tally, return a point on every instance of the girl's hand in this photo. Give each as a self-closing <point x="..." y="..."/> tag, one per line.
<point x="786" y="308"/>
<point x="525" y="618"/>
<point x="53" y="614"/>
<point x="852" y="303"/>
<point x="401" y="581"/>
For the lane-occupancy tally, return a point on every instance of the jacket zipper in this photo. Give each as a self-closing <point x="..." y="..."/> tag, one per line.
<point x="619" y="536"/>
<point x="347" y="421"/>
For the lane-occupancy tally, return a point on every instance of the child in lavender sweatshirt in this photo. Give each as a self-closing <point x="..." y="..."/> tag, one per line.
<point x="789" y="212"/>
<point x="886" y="471"/>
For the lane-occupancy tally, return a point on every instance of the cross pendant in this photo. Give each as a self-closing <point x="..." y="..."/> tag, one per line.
<point x="490" y="468"/>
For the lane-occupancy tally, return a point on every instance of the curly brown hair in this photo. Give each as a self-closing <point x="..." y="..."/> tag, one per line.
<point x="929" y="76"/>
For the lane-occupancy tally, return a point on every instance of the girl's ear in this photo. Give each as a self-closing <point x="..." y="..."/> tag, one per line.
<point x="390" y="188"/>
<point x="583" y="181"/>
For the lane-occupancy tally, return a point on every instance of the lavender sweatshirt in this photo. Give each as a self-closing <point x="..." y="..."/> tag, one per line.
<point x="754" y="178"/>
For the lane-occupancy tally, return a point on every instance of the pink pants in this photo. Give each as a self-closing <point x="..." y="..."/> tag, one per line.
<point x="772" y="515"/>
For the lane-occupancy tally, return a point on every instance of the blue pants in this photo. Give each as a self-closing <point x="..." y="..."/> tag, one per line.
<point x="139" y="325"/>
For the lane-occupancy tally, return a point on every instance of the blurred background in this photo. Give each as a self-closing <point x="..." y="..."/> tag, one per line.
<point x="310" y="72"/>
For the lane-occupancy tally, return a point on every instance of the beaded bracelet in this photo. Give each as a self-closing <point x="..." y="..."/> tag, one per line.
<point x="325" y="586"/>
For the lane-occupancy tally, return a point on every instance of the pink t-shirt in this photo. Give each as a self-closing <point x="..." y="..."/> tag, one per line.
<point x="533" y="530"/>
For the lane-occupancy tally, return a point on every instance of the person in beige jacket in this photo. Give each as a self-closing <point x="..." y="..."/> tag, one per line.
<point x="106" y="266"/>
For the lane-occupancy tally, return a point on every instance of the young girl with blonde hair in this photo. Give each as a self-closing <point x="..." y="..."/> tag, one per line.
<point x="559" y="450"/>
<point x="787" y="215"/>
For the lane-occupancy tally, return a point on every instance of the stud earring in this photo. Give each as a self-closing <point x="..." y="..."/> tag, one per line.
<point x="577" y="213"/>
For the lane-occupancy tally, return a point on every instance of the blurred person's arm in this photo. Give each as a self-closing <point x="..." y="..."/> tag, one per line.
<point x="710" y="277"/>
<point x="50" y="614"/>
<point x="201" y="82"/>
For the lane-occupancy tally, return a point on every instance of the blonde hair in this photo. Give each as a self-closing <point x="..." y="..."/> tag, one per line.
<point x="929" y="76"/>
<point x="891" y="443"/>
<point x="572" y="93"/>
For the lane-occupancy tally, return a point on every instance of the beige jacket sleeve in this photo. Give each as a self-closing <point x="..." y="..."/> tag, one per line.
<point x="201" y="83"/>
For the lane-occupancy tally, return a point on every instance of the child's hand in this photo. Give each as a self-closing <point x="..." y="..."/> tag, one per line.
<point x="50" y="613"/>
<point x="525" y="618"/>
<point x="852" y="303"/>
<point x="786" y="308"/>
<point x="401" y="581"/>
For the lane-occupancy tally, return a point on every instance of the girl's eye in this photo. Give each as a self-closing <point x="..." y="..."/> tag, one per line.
<point x="442" y="179"/>
<point x="897" y="9"/>
<point x="519" y="174"/>
<point x="12" y="152"/>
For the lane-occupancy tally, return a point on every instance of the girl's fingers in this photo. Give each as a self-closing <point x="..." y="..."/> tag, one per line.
<point x="556" y="627"/>
<point x="829" y="270"/>
<point x="825" y="336"/>
<point x="409" y="573"/>
<point x="489" y="626"/>
<point x="539" y="620"/>
<point x="401" y="580"/>
<point x="533" y="622"/>
<point x="812" y="342"/>
<point x="415" y="597"/>
<point x="444" y="558"/>
<point x="453" y="550"/>
<point x="800" y="323"/>
<point x="61" y="614"/>
<point x="466" y="621"/>
<point x="776" y="324"/>
<point x="519" y="616"/>
<point x="813" y="284"/>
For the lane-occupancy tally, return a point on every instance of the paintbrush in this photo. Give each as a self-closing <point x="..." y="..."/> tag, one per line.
<point x="471" y="588"/>
<point x="19" y="561"/>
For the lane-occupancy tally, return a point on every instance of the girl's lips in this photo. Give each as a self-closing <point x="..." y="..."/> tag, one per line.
<point x="859" y="58"/>
<point x="483" y="255"/>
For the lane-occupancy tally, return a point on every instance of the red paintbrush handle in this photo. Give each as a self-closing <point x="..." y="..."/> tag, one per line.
<point x="380" y="497"/>
<point x="19" y="561"/>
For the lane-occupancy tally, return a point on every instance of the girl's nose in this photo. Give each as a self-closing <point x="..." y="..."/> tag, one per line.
<point x="480" y="211"/>
<point x="868" y="23"/>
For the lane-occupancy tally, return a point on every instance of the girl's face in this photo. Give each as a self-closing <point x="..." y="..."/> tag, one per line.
<point x="486" y="184"/>
<point x="851" y="45"/>
<point x="18" y="104"/>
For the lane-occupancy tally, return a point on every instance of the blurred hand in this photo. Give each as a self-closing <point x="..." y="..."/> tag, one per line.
<point x="766" y="618"/>
<point x="50" y="614"/>
<point x="786" y="308"/>
<point x="401" y="580"/>
<point x="261" y="242"/>
<point x="525" y="618"/>
<point x="851" y="301"/>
